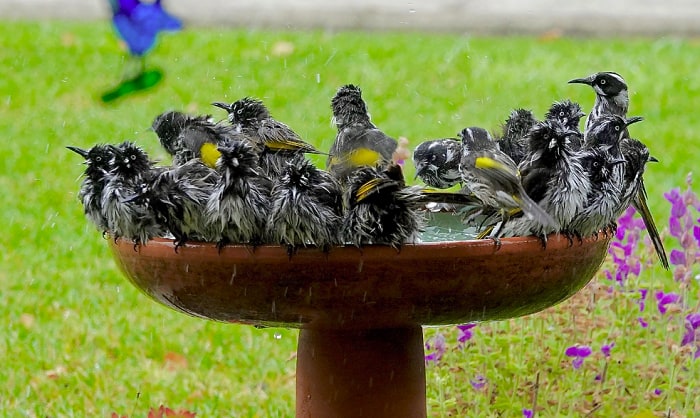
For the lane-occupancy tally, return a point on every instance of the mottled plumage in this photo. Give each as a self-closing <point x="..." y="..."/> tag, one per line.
<point x="569" y="114"/>
<point x="99" y="161"/>
<point x="239" y="206"/>
<point x="437" y="162"/>
<point x="307" y="207"/>
<point x="513" y="141"/>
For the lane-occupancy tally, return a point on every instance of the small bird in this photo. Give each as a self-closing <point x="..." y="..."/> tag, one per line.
<point x="493" y="177"/>
<point x="179" y="197"/>
<point x="307" y="207"/>
<point x="277" y="141"/>
<point x="569" y="114"/>
<point x="611" y="92"/>
<point x="125" y="199"/>
<point x="513" y="140"/>
<point x="99" y="162"/>
<point x="381" y="209"/>
<point x="553" y="176"/>
<point x="604" y="194"/>
<point x="636" y="156"/>
<point x="186" y="137"/>
<point x="437" y="162"/>
<point x="359" y="143"/>
<point x="239" y="206"/>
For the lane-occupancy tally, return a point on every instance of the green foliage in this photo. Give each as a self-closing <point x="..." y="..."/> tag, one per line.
<point x="81" y="341"/>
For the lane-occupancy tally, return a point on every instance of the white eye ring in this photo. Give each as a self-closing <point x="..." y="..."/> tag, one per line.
<point x="617" y="128"/>
<point x="98" y="159"/>
<point x="133" y="157"/>
<point x="601" y="82"/>
<point x="561" y="113"/>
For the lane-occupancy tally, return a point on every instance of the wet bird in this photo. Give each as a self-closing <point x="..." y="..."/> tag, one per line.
<point x="380" y="209"/>
<point x="437" y="162"/>
<point x="277" y="141"/>
<point x="99" y="162"/>
<point x="513" y="140"/>
<point x="612" y="96"/>
<point x="125" y="199"/>
<point x="604" y="194"/>
<point x="306" y="207"/>
<point x="636" y="156"/>
<point x="569" y="114"/>
<point x="179" y="197"/>
<point x="554" y="177"/>
<point x="358" y="143"/>
<point x="239" y="206"/>
<point x="493" y="177"/>
<point x="186" y="137"/>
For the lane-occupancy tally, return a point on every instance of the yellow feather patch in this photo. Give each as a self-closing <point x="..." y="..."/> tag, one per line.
<point x="364" y="157"/>
<point x="485" y="233"/>
<point x="486" y="162"/>
<point x="284" y="145"/>
<point x="209" y="154"/>
<point x="364" y="190"/>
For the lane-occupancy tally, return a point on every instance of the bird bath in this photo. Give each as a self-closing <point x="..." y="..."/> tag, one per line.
<point x="360" y="311"/>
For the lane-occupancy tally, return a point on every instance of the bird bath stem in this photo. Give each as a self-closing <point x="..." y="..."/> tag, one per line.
<point x="360" y="351"/>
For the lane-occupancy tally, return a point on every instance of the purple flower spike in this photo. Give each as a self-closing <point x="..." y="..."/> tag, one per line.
<point x="696" y="233"/>
<point x="605" y="349"/>
<point x="692" y="333"/>
<point x="657" y="391"/>
<point x="642" y="299"/>
<point x="527" y="413"/>
<point x="677" y="258"/>
<point x="642" y="322"/>
<point x="579" y="353"/>
<point x="478" y="382"/>
<point x="465" y="332"/>
<point x="674" y="227"/>
<point x="664" y="299"/>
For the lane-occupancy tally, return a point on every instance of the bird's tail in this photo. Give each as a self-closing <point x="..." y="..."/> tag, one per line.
<point x="640" y="204"/>
<point x="533" y="211"/>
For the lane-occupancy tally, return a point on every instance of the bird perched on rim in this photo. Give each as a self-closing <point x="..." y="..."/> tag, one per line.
<point x="179" y="197"/>
<point x="611" y="92"/>
<point x="277" y="141"/>
<point x="125" y="198"/>
<point x="437" y="162"/>
<point x="604" y="194"/>
<point x="359" y="143"/>
<point x="99" y="162"/>
<point x="186" y="137"/>
<point x="380" y="209"/>
<point x="239" y="207"/>
<point x="553" y="176"/>
<point x="636" y="156"/>
<point x="307" y="207"/>
<point x="493" y="177"/>
<point x="569" y="114"/>
<point x="513" y="140"/>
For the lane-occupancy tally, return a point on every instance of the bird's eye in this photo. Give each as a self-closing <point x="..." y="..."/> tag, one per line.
<point x="546" y="136"/>
<point x="596" y="164"/>
<point x="133" y="157"/>
<point x="239" y="111"/>
<point x="561" y="114"/>
<point x="601" y="82"/>
<point x="98" y="159"/>
<point x="617" y="128"/>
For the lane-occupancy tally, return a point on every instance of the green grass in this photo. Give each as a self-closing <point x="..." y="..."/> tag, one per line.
<point x="80" y="341"/>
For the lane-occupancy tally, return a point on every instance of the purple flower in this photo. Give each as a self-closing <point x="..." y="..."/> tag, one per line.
<point x="465" y="332"/>
<point x="642" y="322"/>
<point x="139" y="23"/>
<point x="579" y="353"/>
<point x="527" y="413"/>
<point x="642" y="299"/>
<point x="692" y="332"/>
<point x="677" y="258"/>
<point x="696" y="233"/>
<point x="605" y="349"/>
<point x="674" y="227"/>
<point x="678" y="207"/>
<point x="657" y="391"/>
<point x="664" y="299"/>
<point x="436" y="343"/>
<point x="478" y="382"/>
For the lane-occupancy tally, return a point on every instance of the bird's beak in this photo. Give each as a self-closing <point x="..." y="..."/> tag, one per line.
<point x="587" y="80"/>
<point x="421" y="171"/>
<point x="225" y="106"/>
<point x="633" y="119"/>
<point x="83" y="153"/>
<point x="652" y="159"/>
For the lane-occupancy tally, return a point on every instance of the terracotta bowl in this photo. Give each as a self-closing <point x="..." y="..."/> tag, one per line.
<point x="370" y="288"/>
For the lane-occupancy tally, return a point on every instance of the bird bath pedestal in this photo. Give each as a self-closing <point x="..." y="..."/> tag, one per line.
<point x="360" y="312"/>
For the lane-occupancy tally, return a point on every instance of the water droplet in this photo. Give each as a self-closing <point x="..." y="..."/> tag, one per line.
<point x="411" y="11"/>
<point x="318" y="78"/>
<point x="277" y="336"/>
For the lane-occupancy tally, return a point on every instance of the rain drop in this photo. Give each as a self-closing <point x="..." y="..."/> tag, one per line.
<point x="277" y="336"/>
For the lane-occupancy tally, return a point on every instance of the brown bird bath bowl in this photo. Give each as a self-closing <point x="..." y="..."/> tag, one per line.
<point x="360" y="351"/>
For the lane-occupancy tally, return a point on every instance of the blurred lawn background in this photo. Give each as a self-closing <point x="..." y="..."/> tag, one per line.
<point x="79" y="340"/>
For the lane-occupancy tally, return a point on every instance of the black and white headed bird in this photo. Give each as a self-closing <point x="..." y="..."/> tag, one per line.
<point x="437" y="162"/>
<point x="569" y="114"/>
<point x="99" y="162"/>
<point x="612" y="97"/>
<point x="513" y="140"/>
